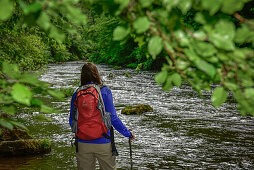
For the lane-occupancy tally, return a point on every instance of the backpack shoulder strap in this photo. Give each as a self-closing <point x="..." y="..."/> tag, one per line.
<point x="98" y="88"/>
<point x="84" y="87"/>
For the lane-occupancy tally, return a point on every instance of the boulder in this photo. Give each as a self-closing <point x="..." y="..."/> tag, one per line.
<point x="18" y="142"/>
<point x="137" y="109"/>
<point x="24" y="147"/>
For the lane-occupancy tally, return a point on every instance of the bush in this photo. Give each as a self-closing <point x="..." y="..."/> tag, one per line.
<point x="59" y="52"/>
<point x="28" y="50"/>
<point x="99" y="46"/>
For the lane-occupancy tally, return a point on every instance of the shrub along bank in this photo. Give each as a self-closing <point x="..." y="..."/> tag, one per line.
<point x="31" y="49"/>
<point x="101" y="48"/>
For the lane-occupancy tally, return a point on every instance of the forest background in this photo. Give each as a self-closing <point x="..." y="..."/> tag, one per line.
<point x="200" y="42"/>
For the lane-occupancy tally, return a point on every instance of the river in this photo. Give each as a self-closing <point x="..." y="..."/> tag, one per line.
<point x="183" y="132"/>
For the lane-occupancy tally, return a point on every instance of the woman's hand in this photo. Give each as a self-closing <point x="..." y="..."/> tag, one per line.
<point x="132" y="134"/>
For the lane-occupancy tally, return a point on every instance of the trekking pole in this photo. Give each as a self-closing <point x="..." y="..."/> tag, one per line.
<point x="130" y="153"/>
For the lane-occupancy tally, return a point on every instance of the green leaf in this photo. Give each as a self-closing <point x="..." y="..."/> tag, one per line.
<point x="222" y="56"/>
<point x="182" y="64"/>
<point x="219" y="96"/>
<point x="169" y="4"/>
<point x="11" y="70"/>
<point x="169" y="46"/>
<point x="43" y="118"/>
<point x="223" y="34"/>
<point x="30" y="79"/>
<point x="204" y="49"/>
<point x="122" y="5"/>
<point x="36" y="102"/>
<point x="213" y="59"/>
<point x="249" y="93"/>
<point x="211" y="5"/>
<point x="162" y="15"/>
<point x="244" y="34"/>
<point x="145" y="3"/>
<point x="161" y="77"/>
<point x="120" y="33"/>
<point x="232" y="6"/>
<point x="168" y="84"/>
<point x="185" y="5"/>
<point x="44" y="21"/>
<point x="206" y="67"/>
<point x="6" y="124"/>
<point x="142" y="24"/>
<point x="5" y="99"/>
<point x="246" y="79"/>
<point x="182" y="37"/>
<point x="21" y="94"/>
<point x="155" y="46"/>
<point x="33" y="8"/>
<point x="75" y="15"/>
<point x="56" y="34"/>
<point x="200" y="35"/>
<point x="139" y="40"/>
<point x="47" y="109"/>
<point x="231" y="86"/>
<point x="191" y="54"/>
<point x="11" y="110"/>
<point x="6" y="8"/>
<point x="245" y="105"/>
<point x="20" y="125"/>
<point x="56" y="94"/>
<point x="200" y="18"/>
<point x="176" y="78"/>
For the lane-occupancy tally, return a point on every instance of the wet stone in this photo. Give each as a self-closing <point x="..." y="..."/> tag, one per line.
<point x="24" y="147"/>
<point x="18" y="142"/>
<point x="137" y="109"/>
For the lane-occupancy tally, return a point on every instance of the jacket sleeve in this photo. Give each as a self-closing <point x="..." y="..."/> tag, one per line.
<point x="72" y="105"/>
<point x="116" y="122"/>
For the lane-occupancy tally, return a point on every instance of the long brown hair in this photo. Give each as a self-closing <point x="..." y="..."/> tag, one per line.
<point x="90" y="74"/>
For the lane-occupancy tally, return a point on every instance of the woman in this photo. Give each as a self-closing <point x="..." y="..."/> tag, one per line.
<point x="100" y="149"/>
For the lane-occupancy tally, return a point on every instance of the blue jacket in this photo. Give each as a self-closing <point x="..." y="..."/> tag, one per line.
<point x="109" y="107"/>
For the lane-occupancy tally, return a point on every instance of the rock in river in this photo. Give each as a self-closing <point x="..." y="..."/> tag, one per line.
<point x="137" y="109"/>
<point x="18" y="142"/>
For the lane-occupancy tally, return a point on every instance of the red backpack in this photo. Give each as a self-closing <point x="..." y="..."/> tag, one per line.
<point x="91" y="121"/>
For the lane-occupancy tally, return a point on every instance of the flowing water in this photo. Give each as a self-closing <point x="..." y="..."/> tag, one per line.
<point x="183" y="132"/>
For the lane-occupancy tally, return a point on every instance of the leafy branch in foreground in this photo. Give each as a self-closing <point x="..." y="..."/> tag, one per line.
<point x="218" y="50"/>
<point x="20" y="89"/>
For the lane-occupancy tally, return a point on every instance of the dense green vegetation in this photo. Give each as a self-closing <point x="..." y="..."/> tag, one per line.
<point x="31" y="47"/>
<point x="203" y="42"/>
<point x="28" y="45"/>
<point x="102" y="48"/>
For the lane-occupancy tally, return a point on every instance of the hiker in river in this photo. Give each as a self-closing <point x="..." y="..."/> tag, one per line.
<point x="92" y="118"/>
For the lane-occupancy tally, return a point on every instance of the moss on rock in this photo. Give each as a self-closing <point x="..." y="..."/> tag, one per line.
<point x="137" y="109"/>
<point x="18" y="142"/>
<point x="15" y="134"/>
<point x="128" y="74"/>
<point x="24" y="147"/>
